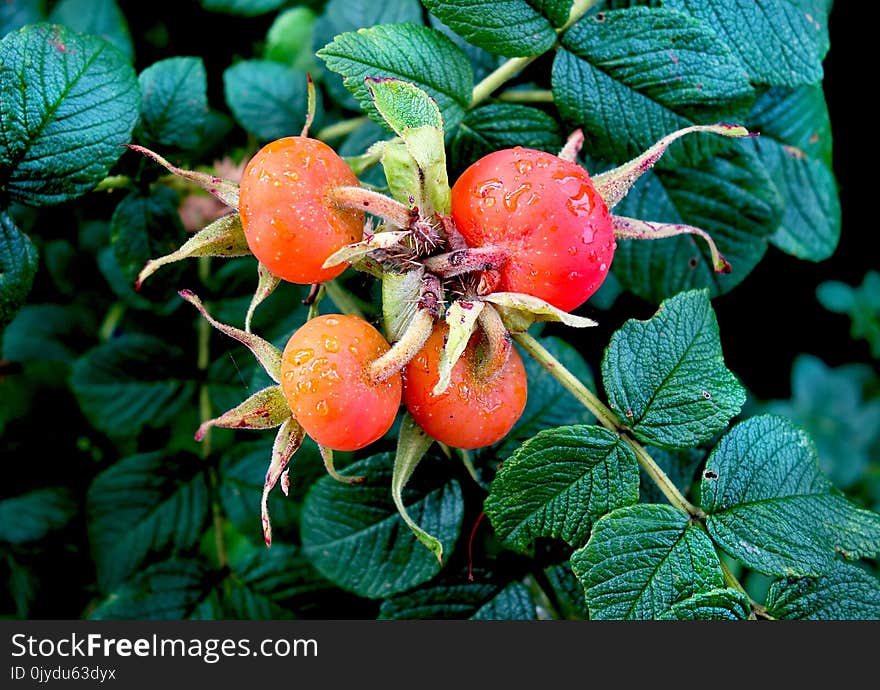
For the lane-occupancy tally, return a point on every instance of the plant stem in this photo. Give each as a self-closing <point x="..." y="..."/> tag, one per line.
<point x="205" y="413"/>
<point x="669" y="489"/>
<point x="578" y="9"/>
<point x="731" y="581"/>
<point x="571" y="383"/>
<point x="541" y="598"/>
<point x="340" y="129"/>
<point x="607" y="419"/>
<point x="507" y="71"/>
<point x="111" y="320"/>
<point x="113" y="182"/>
<point x="526" y="96"/>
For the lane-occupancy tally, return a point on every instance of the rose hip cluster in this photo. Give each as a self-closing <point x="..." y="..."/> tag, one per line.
<point x="545" y="230"/>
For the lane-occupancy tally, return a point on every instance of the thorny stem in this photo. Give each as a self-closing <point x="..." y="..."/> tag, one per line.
<point x="375" y="203"/>
<point x="203" y="362"/>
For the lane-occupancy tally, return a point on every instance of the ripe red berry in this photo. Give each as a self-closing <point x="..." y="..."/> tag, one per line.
<point x="290" y="224"/>
<point x="546" y="214"/>
<point x="472" y="412"/>
<point x="326" y="383"/>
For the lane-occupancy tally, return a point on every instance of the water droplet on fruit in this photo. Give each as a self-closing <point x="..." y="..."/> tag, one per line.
<point x="331" y="344"/>
<point x="572" y="251"/>
<point x="523" y="166"/>
<point x="318" y="364"/>
<point x="488" y="187"/>
<point x="463" y="391"/>
<point x="603" y="267"/>
<point x="331" y="375"/>
<point x="304" y="387"/>
<point x="353" y="350"/>
<point x="302" y="356"/>
<point x="542" y="162"/>
<point x="291" y="175"/>
<point x="511" y="198"/>
<point x="321" y="408"/>
<point x="489" y="201"/>
<point x="331" y="321"/>
<point x="288" y="376"/>
<point x="574" y="275"/>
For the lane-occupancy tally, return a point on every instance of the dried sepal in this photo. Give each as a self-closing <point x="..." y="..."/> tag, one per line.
<point x="357" y="251"/>
<point x="310" y="107"/>
<point x="265" y="409"/>
<point x="519" y="311"/>
<point x="266" y="353"/>
<point x="461" y="316"/>
<point x="225" y="190"/>
<point x="496" y="344"/>
<point x="614" y="184"/>
<point x="224" y="237"/>
<point x="266" y="284"/>
<point x="636" y="229"/>
<point x="287" y="441"/>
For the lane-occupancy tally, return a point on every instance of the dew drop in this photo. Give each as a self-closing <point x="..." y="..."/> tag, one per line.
<point x="353" y="350"/>
<point x="322" y="408"/>
<point x="572" y="251"/>
<point x="331" y="344"/>
<point x="489" y="201"/>
<point x="523" y="166"/>
<point x="542" y="162"/>
<point x="603" y="267"/>
<point x="330" y="321"/>
<point x="463" y="391"/>
<point x="511" y="198"/>
<point x="302" y="356"/>
<point x="488" y="187"/>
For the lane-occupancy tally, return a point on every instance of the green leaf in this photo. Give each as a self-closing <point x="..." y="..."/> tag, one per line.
<point x="340" y="16"/>
<point x="143" y="227"/>
<point x="175" y="102"/>
<point x="771" y="508"/>
<point x="861" y="304"/>
<point x="355" y="537"/>
<point x="266" y="98"/>
<point x="795" y="148"/>
<point x="97" y="17"/>
<point x="132" y="381"/>
<point x="243" y="8"/>
<point x="666" y="378"/>
<point x="730" y="196"/>
<point x="14" y="15"/>
<point x="643" y="560"/>
<point x="31" y="516"/>
<point x="289" y="39"/>
<point x="504" y="125"/>
<point x="18" y="267"/>
<point x="403" y="105"/>
<point x="513" y="603"/>
<point x="559" y="483"/>
<point x="830" y="405"/>
<point x="716" y="605"/>
<point x="846" y="592"/>
<point x="48" y="333"/>
<point x="662" y="71"/>
<point x="453" y="596"/>
<point x="781" y="42"/>
<point x="70" y="101"/>
<point x="568" y="592"/>
<point x="170" y="590"/>
<point x="410" y="52"/>
<point x="144" y="503"/>
<point x="549" y="404"/>
<point x="278" y="583"/>
<point x="512" y="28"/>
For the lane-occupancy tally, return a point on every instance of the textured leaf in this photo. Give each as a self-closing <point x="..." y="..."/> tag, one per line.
<point x="69" y="101"/>
<point x="861" y="304"/>
<point x="643" y="560"/>
<point x="795" y="148"/>
<point x="355" y="537"/>
<point x="568" y="592"/>
<point x="559" y="483"/>
<point x="48" y="333"/>
<point x="452" y="596"/>
<point x="170" y="590"/>
<point x="267" y="98"/>
<point x="730" y="196"/>
<point x="403" y="105"/>
<point x="18" y="267"/>
<point x="846" y="592"/>
<point x="830" y="405"/>
<point x="666" y="378"/>
<point x="31" y="516"/>
<point x="549" y="404"/>
<point x="144" y="503"/>
<point x="143" y="227"/>
<point x="504" y="125"/>
<point x="175" y="101"/>
<point x="771" y="508"/>
<point x="781" y="42"/>
<point x="132" y="381"/>
<point x="244" y="8"/>
<point x="717" y="605"/>
<point x="98" y="17"/>
<point x="662" y="71"/>
<point x="410" y="52"/>
<point x="512" y="28"/>
<point x="513" y="603"/>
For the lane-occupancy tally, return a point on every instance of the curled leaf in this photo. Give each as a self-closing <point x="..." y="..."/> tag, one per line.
<point x="354" y="252"/>
<point x="266" y="284"/>
<point x="265" y="409"/>
<point x="287" y="442"/>
<point x="330" y="466"/>
<point x="519" y="311"/>
<point x="636" y="229"/>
